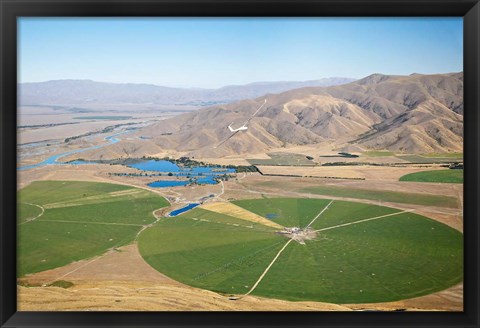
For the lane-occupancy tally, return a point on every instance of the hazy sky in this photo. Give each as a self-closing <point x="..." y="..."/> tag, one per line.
<point x="212" y="52"/>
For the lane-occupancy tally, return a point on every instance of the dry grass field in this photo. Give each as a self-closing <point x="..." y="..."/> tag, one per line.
<point x="383" y="173"/>
<point x="238" y="212"/>
<point x="111" y="283"/>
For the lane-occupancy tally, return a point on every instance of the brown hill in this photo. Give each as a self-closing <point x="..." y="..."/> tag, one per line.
<point x="414" y="114"/>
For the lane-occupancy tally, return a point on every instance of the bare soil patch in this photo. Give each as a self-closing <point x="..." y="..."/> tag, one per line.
<point x="447" y="300"/>
<point x="122" y="281"/>
<point x="122" y="264"/>
<point x="141" y="296"/>
<point x="368" y="172"/>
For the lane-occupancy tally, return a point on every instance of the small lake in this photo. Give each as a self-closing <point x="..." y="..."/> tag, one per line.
<point x="167" y="183"/>
<point x="159" y="166"/>
<point x="206" y="180"/>
<point x="271" y="216"/>
<point x="200" y="174"/>
<point x="183" y="209"/>
<point x="195" y="174"/>
<point x="176" y="183"/>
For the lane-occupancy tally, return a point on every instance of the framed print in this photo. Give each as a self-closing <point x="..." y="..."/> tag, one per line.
<point x="195" y="163"/>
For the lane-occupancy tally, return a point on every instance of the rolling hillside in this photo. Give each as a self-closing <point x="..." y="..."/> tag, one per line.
<point x="414" y="114"/>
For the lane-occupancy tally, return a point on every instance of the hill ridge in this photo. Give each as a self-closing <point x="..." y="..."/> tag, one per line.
<point x="416" y="113"/>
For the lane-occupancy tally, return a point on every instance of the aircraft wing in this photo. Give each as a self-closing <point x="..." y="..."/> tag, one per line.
<point x="221" y="143"/>
<point x="244" y="124"/>
<point x="248" y="120"/>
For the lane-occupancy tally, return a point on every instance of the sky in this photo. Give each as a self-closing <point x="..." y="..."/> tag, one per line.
<point x="214" y="52"/>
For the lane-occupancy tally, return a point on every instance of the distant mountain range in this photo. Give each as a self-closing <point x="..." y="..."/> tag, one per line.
<point x="66" y="92"/>
<point x="414" y="114"/>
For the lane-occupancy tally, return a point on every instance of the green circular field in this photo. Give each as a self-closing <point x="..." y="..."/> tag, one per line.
<point x="361" y="253"/>
<point x="59" y="222"/>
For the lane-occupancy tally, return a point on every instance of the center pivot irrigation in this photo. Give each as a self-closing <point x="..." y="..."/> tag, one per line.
<point x="278" y="255"/>
<point x="234" y="298"/>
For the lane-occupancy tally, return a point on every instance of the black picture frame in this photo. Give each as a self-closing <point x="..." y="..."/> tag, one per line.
<point x="10" y="10"/>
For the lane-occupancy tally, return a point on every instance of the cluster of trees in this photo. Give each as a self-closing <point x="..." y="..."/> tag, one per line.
<point x="242" y="168"/>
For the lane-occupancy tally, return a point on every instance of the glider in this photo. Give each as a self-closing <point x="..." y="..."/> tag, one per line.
<point x="244" y="126"/>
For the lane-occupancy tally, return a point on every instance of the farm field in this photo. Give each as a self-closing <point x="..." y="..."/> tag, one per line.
<point x="283" y="159"/>
<point x="64" y="221"/>
<point x="361" y="253"/>
<point x="26" y="212"/>
<point x="378" y="153"/>
<point x="444" y="155"/>
<point x="289" y="212"/>
<point x="387" y="196"/>
<point x="429" y="159"/>
<point x="220" y="254"/>
<point x="442" y="176"/>
<point x="299" y="212"/>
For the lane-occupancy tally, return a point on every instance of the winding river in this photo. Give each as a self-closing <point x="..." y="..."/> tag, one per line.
<point x="54" y="159"/>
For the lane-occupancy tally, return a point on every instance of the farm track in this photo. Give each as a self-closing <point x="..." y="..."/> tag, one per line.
<point x="229" y="224"/>
<point x="364" y="220"/>
<point x="82" y="266"/>
<point x="157" y="218"/>
<point x="39" y="215"/>
<point x="93" y="222"/>
<point x="323" y="229"/>
<point x="282" y="193"/>
<point x="318" y="215"/>
<point x="68" y="203"/>
<point x="268" y="268"/>
<point x="280" y="252"/>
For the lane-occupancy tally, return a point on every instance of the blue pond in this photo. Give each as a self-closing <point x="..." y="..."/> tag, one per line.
<point x="201" y="174"/>
<point x="183" y="209"/>
<point x="206" y="180"/>
<point x="159" y="166"/>
<point x="167" y="183"/>
<point x="176" y="183"/>
<point x="53" y="159"/>
<point x="271" y="216"/>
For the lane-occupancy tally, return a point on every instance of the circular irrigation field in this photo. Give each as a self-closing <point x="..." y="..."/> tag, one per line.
<point x="354" y="253"/>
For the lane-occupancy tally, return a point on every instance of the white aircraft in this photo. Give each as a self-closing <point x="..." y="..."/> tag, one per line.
<point x="244" y="126"/>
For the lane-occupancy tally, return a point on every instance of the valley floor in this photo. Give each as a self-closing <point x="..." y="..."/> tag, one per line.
<point x="111" y="281"/>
